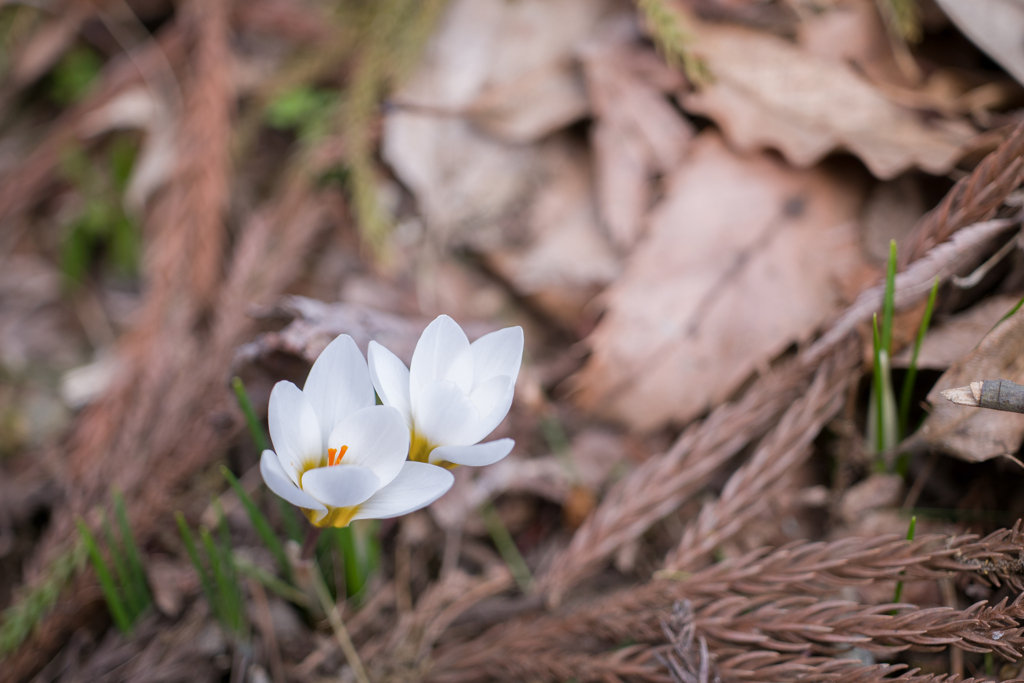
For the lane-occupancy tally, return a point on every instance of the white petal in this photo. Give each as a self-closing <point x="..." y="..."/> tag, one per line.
<point x="476" y="455"/>
<point x="416" y="486"/>
<point x="440" y="354"/>
<point x="377" y="438"/>
<point x="498" y="353"/>
<point x="340" y="486"/>
<point x="391" y="379"/>
<point x="495" y="395"/>
<point x="490" y="394"/>
<point x="277" y="481"/>
<point x="294" y="429"/>
<point x="338" y="385"/>
<point x="445" y="416"/>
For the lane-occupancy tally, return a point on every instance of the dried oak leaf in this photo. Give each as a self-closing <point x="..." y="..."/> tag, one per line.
<point x="744" y="256"/>
<point x="484" y="52"/>
<point x="562" y="258"/>
<point x="973" y="434"/>
<point x="769" y="93"/>
<point x="637" y="135"/>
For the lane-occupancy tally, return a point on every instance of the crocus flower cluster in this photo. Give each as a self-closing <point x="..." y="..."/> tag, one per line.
<point x="340" y="457"/>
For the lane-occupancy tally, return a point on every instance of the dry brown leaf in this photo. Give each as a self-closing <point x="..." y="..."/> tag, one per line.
<point x="952" y="339"/>
<point x="852" y="32"/>
<point x="637" y="135"/>
<point x="743" y="257"/>
<point x="463" y="178"/>
<point x="974" y="434"/>
<point x="562" y="260"/>
<point x="769" y="93"/>
<point x="891" y="211"/>
<point x="533" y="105"/>
<point x="995" y="26"/>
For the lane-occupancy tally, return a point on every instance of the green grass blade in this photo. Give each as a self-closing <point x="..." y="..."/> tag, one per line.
<point x="354" y="559"/>
<point x="221" y="605"/>
<point x="230" y="591"/>
<point x="908" y="384"/>
<point x="506" y="546"/>
<point x="205" y="579"/>
<point x="877" y="376"/>
<point x="1008" y="314"/>
<point x="255" y="428"/>
<point x="133" y="557"/>
<point x="114" y="603"/>
<point x="889" y="302"/>
<point x="122" y="576"/>
<point x="260" y="524"/>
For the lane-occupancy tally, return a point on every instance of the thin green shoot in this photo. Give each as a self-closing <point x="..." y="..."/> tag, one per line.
<point x="219" y="581"/>
<point x="259" y="437"/>
<point x="115" y="604"/>
<point x="360" y="552"/>
<point x="908" y="384"/>
<point x="898" y="595"/>
<point x="877" y="377"/>
<point x="507" y="547"/>
<point x="193" y="554"/>
<point x="889" y="302"/>
<point x="121" y="574"/>
<point x="132" y="554"/>
<point x="120" y="569"/>
<point x="260" y="524"/>
<point x="1008" y="314"/>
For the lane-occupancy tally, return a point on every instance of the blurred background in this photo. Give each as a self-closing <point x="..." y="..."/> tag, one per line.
<point x="679" y="200"/>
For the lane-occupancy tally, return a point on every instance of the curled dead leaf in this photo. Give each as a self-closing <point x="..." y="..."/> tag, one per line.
<point x="770" y="93"/>
<point x="968" y="433"/>
<point x="743" y="257"/>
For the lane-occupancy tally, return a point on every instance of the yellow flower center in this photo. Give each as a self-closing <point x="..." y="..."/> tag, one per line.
<point x="337" y="517"/>
<point x="419" y="447"/>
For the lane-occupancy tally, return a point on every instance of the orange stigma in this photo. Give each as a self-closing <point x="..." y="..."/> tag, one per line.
<point x="334" y="456"/>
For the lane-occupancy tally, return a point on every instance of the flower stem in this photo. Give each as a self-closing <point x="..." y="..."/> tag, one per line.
<point x="340" y="632"/>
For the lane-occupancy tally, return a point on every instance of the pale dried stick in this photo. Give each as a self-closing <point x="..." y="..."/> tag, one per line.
<point x="751" y="489"/>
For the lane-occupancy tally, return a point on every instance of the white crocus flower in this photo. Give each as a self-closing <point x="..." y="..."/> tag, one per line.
<point x="339" y="456"/>
<point x="454" y="394"/>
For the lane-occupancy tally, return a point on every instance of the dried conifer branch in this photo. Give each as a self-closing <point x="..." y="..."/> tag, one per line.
<point x="686" y="666"/>
<point x="973" y="199"/>
<point x="662" y="483"/>
<point x="815" y="569"/>
<point x="772" y="667"/>
<point x="752" y="487"/>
